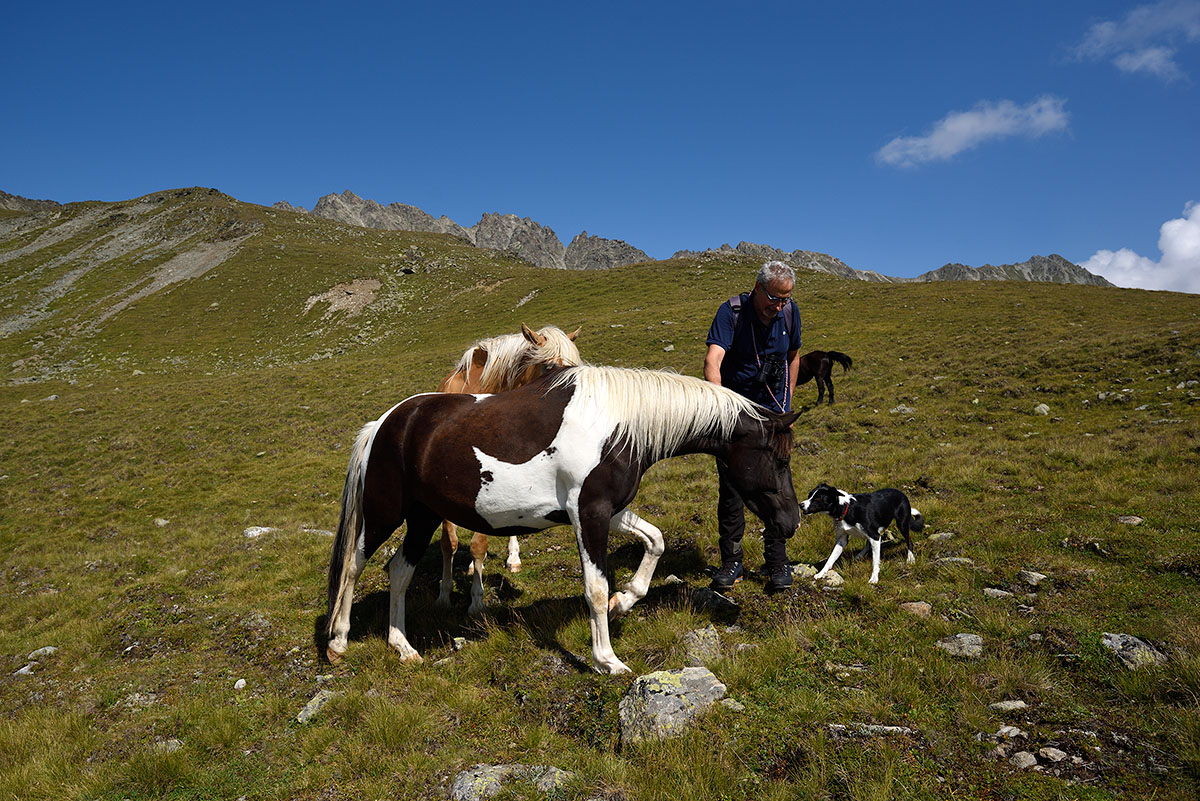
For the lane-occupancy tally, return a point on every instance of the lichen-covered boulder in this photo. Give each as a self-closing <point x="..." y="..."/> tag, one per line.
<point x="663" y="703"/>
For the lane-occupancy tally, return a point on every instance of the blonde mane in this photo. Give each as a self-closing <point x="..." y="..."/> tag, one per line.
<point x="657" y="411"/>
<point x="509" y="354"/>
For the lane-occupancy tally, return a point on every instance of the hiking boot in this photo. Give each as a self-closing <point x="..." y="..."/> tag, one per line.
<point x="780" y="578"/>
<point x="729" y="574"/>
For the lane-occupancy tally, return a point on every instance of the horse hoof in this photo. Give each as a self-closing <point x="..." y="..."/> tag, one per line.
<point x="334" y="657"/>
<point x="514" y="568"/>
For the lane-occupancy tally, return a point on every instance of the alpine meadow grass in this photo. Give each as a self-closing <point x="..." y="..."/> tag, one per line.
<point x="172" y="472"/>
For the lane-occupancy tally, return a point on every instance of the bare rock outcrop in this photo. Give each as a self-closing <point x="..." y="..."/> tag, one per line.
<point x="588" y="252"/>
<point x="1052" y="269"/>
<point x="529" y="240"/>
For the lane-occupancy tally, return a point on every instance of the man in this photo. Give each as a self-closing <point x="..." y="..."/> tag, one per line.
<point x="754" y="349"/>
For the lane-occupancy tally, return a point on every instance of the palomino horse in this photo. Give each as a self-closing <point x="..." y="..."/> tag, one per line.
<point x="819" y="364"/>
<point x="498" y="364"/>
<point x="569" y="448"/>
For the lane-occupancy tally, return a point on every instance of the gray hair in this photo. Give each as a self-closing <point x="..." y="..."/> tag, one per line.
<point x="775" y="271"/>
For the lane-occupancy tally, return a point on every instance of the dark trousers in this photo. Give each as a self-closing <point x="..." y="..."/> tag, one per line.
<point x="731" y="526"/>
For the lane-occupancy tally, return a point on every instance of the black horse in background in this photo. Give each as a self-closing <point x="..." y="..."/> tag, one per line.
<point x="818" y="364"/>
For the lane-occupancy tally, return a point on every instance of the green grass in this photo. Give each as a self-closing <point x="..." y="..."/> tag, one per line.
<point x="220" y="417"/>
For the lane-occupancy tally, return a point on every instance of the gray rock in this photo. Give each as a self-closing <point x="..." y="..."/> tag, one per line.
<point x="833" y="579"/>
<point x="1008" y="706"/>
<point x="1031" y="577"/>
<point x="663" y="703"/>
<point x="868" y="730"/>
<point x="485" y="781"/>
<point x="161" y="522"/>
<point x="529" y="240"/>
<point x="1041" y="409"/>
<point x="43" y="652"/>
<point x="941" y="536"/>
<point x="1023" y="760"/>
<point x="1052" y="754"/>
<point x="802" y="571"/>
<point x="702" y="646"/>
<point x="1130" y="520"/>
<point x="964" y="646"/>
<point x="902" y="409"/>
<point x="314" y="706"/>
<point x="595" y="253"/>
<point x="1133" y="652"/>
<point x="713" y="602"/>
<point x="732" y="705"/>
<point x="26" y="670"/>
<point x="918" y="608"/>
<point x="168" y="746"/>
<point x="955" y="560"/>
<point x="1008" y="732"/>
<point x="993" y="592"/>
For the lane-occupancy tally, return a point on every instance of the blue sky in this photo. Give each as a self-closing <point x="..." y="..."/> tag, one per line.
<point x="897" y="137"/>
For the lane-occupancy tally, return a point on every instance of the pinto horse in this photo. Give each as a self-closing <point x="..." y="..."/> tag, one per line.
<point x="498" y="364"/>
<point x="819" y="364"/>
<point x="568" y="448"/>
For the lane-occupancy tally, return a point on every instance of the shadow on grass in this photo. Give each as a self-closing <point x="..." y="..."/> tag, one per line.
<point x="543" y="619"/>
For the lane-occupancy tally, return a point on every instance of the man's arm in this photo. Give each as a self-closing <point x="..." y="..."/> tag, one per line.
<point x="712" y="364"/>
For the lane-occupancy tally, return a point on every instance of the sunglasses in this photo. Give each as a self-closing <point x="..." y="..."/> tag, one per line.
<point x="773" y="299"/>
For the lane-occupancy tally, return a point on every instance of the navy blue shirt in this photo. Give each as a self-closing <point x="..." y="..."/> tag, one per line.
<point x="747" y="342"/>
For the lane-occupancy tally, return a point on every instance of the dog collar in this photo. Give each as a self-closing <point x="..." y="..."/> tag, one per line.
<point x="845" y="511"/>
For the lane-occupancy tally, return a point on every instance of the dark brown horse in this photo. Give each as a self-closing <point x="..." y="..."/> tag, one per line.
<point x="818" y="364"/>
<point x="570" y="448"/>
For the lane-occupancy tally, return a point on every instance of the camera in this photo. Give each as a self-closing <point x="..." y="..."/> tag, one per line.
<point x="772" y="371"/>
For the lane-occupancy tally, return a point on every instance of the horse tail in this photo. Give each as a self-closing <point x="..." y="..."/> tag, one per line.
<point x="845" y="361"/>
<point x="350" y="525"/>
<point x="916" y="522"/>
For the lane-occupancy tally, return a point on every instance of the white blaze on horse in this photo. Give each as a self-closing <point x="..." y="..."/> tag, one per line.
<point x="498" y="364"/>
<point x="568" y="449"/>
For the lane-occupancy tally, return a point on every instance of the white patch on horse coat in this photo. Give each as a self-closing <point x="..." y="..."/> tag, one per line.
<point x="526" y="494"/>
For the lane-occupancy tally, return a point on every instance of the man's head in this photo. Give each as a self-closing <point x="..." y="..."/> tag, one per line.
<point x="772" y="289"/>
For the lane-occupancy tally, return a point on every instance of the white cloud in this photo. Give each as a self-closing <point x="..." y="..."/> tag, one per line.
<point x="1146" y="40"/>
<point x="1179" y="268"/>
<point x="963" y="130"/>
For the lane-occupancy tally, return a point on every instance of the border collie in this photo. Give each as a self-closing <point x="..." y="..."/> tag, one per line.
<point x="868" y="514"/>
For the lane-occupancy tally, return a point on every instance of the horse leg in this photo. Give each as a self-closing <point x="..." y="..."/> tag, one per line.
<point x="820" y="389"/>
<point x="478" y="554"/>
<point x="514" y="556"/>
<point x="449" y="548"/>
<point x="335" y="649"/>
<point x="592" y="538"/>
<point x="829" y="382"/>
<point x="421" y="525"/>
<point x="629" y="523"/>
<point x="843" y="535"/>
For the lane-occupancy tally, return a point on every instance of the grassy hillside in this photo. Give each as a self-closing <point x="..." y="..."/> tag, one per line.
<point x="144" y="442"/>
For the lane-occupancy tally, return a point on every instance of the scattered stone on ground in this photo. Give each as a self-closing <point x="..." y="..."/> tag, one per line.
<point x="1023" y="760"/>
<point x="803" y="571"/>
<point x="313" y="707"/>
<point x="485" y="781"/>
<point x="941" y="536"/>
<point x="843" y="672"/>
<point x="663" y="703"/>
<point x="43" y="652"/>
<point x="1051" y="754"/>
<point x="713" y="602"/>
<point x="918" y="608"/>
<point x="1008" y="706"/>
<point x="732" y="705"/>
<point x="1133" y="652"/>
<point x="240" y="684"/>
<point x="255" y="532"/>
<point x="833" y="579"/>
<point x="1130" y="520"/>
<point x="168" y="746"/>
<point x="1031" y="577"/>
<point x="955" y="560"/>
<point x="702" y="646"/>
<point x="867" y="730"/>
<point x="161" y="522"/>
<point x="1041" y="409"/>
<point x="902" y="409"/>
<point x="965" y="646"/>
<point x="995" y="592"/>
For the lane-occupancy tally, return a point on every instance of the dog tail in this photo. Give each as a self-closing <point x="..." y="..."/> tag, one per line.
<point x="845" y="361"/>
<point x="917" y="522"/>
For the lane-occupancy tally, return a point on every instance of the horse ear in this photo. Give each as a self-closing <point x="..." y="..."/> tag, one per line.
<point x="533" y="336"/>
<point x="480" y="356"/>
<point x="571" y="336"/>
<point x="788" y="419"/>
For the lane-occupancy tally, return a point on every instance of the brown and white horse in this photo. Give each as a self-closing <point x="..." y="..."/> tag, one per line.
<point x="567" y="449"/>
<point x="498" y="364"/>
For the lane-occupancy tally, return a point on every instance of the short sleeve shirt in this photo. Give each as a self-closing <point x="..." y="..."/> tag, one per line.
<point x="747" y="342"/>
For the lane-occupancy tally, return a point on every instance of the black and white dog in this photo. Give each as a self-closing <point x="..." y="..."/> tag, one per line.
<point x="869" y="515"/>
